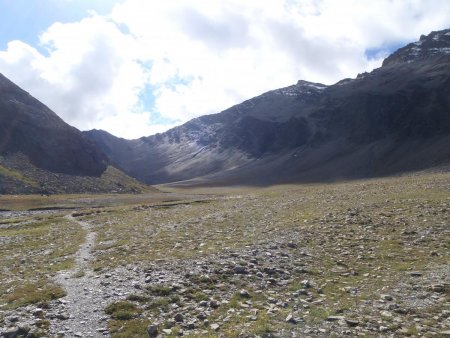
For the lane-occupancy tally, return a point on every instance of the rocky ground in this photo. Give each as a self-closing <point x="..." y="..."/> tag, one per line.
<point x="362" y="258"/>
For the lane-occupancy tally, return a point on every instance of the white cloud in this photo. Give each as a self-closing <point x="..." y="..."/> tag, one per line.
<point x="201" y="57"/>
<point x="90" y="77"/>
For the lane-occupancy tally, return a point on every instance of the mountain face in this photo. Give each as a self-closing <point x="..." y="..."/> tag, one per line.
<point x="394" y="119"/>
<point x="30" y="128"/>
<point x="41" y="154"/>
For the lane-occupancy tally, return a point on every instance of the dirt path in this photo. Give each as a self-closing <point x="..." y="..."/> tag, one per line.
<point x="81" y="311"/>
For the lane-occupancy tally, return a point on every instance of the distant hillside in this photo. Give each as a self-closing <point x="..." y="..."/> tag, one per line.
<point x="394" y="119"/>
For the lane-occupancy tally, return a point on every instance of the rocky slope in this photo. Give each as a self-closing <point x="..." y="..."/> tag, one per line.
<point x="391" y="120"/>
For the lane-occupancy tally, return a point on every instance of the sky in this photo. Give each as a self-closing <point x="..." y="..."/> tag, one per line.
<point x="138" y="67"/>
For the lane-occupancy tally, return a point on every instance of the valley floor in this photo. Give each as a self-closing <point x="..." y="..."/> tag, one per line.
<point x="361" y="258"/>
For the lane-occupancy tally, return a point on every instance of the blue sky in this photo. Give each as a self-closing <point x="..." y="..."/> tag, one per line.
<point x="135" y="67"/>
<point x="26" y="19"/>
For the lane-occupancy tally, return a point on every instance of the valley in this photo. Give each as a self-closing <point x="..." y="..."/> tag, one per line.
<point x="353" y="258"/>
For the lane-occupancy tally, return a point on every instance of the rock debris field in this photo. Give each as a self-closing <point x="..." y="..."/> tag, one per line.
<point x="361" y="258"/>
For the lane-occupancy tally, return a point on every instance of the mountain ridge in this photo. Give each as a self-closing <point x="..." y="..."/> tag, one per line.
<point x="353" y="127"/>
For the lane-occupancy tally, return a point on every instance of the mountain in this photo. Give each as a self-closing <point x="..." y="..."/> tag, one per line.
<point x="40" y="153"/>
<point x="29" y="127"/>
<point x="393" y="119"/>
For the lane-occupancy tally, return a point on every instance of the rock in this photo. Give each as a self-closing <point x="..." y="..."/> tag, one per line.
<point x="386" y="314"/>
<point x="152" y="331"/>
<point x="386" y="297"/>
<point x="11" y="332"/>
<point x="34" y="334"/>
<point x="240" y="270"/>
<point x="166" y="331"/>
<point x="179" y="318"/>
<point x="352" y="322"/>
<point x="63" y="316"/>
<point x="292" y="245"/>
<point x="415" y="274"/>
<point x="445" y="333"/>
<point x="244" y="293"/>
<point x="13" y="319"/>
<point x="24" y="329"/>
<point x="383" y="329"/>
<point x="437" y="287"/>
<point x="306" y="284"/>
<point x="190" y="326"/>
<point x="335" y="318"/>
<point x="214" y="304"/>
<point x="291" y="319"/>
<point x="38" y="312"/>
<point x="202" y="316"/>
<point x="215" y="327"/>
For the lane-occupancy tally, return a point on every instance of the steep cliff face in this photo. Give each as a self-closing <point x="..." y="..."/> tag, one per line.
<point x="29" y="127"/>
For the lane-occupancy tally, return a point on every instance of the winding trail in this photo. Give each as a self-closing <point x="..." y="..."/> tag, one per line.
<point x="80" y="313"/>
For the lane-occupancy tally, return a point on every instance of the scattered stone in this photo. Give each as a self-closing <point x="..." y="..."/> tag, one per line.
<point x="386" y="314"/>
<point x="383" y="329"/>
<point x="191" y="326"/>
<point x="63" y="316"/>
<point x="306" y="284"/>
<point x="152" y="330"/>
<point x="11" y="332"/>
<point x="387" y="297"/>
<point x="179" y="318"/>
<point x="415" y="274"/>
<point x="335" y="318"/>
<point x="38" y="312"/>
<point x="215" y="327"/>
<point x="240" y="270"/>
<point x="437" y="288"/>
<point x="292" y="245"/>
<point x="291" y="319"/>
<point x="352" y="322"/>
<point x="202" y="316"/>
<point x="244" y="293"/>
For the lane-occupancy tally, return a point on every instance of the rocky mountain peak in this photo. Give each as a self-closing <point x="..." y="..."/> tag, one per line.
<point x="300" y="88"/>
<point x="433" y="44"/>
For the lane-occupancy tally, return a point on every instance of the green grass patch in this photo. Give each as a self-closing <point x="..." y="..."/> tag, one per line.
<point x="123" y="310"/>
<point x="33" y="293"/>
<point x="160" y="290"/>
<point x="16" y="175"/>
<point x="135" y="328"/>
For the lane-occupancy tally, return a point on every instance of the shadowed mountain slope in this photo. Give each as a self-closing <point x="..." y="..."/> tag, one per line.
<point x="29" y="127"/>
<point x="40" y="153"/>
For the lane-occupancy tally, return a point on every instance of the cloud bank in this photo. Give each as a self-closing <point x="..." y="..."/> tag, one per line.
<point x="150" y="65"/>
